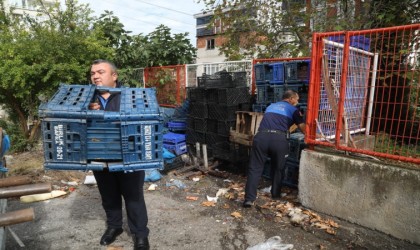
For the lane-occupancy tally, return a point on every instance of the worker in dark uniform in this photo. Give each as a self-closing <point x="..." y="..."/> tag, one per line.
<point x="271" y="141"/>
<point x="113" y="186"/>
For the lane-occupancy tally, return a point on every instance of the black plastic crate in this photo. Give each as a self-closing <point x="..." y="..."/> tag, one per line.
<point x="200" y="125"/>
<point x="232" y="96"/>
<point x="212" y="125"/>
<point x="231" y="152"/>
<point x="212" y="139"/>
<point x="222" y="112"/>
<point x="212" y="95"/>
<point x="223" y="127"/>
<point x="291" y="173"/>
<point x="174" y="163"/>
<point x="196" y="94"/>
<point x="217" y="80"/>
<point x="198" y="110"/>
<point x="193" y="136"/>
<point x="296" y="145"/>
<point x="239" y="79"/>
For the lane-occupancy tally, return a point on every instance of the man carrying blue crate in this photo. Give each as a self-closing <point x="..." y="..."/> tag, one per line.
<point x="271" y="141"/>
<point x="115" y="185"/>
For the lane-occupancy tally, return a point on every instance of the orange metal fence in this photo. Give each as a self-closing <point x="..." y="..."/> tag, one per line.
<point x="364" y="92"/>
<point x="169" y="82"/>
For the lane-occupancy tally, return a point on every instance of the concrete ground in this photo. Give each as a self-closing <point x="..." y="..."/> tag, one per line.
<point x="77" y="222"/>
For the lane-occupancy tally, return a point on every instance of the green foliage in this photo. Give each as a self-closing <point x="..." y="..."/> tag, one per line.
<point x="167" y="49"/>
<point x="18" y="142"/>
<point x="38" y="55"/>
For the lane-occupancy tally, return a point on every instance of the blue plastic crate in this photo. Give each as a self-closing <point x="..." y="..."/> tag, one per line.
<point x="178" y="148"/>
<point x="278" y="73"/>
<point x="360" y="42"/>
<point x="141" y="141"/>
<point x="278" y="93"/>
<point x="173" y="138"/>
<point x="297" y="71"/>
<point x="265" y="94"/>
<point x="263" y="73"/>
<point x="177" y="125"/>
<point x="72" y="102"/>
<point x="259" y="107"/>
<point x="64" y="140"/>
<point x="103" y="140"/>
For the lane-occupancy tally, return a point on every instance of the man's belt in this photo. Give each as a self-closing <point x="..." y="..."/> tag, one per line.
<point x="273" y="131"/>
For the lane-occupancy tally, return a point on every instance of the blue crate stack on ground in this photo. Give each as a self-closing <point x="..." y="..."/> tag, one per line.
<point x="175" y="143"/>
<point x="76" y="138"/>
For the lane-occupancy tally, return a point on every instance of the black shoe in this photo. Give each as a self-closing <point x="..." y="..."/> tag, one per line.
<point x="248" y="204"/>
<point x="141" y="243"/>
<point x="110" y="235"/>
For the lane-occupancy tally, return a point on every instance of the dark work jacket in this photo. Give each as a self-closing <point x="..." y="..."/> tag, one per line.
<point x="113" y="103"/>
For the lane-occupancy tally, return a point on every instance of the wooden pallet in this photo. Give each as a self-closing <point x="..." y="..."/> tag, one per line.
<point x="247" y="124"/>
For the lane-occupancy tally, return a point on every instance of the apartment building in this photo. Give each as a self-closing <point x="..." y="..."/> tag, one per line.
<point x="29" y="7"/>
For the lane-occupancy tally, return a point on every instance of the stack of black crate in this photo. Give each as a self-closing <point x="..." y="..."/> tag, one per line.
<point x="213" y="106"/>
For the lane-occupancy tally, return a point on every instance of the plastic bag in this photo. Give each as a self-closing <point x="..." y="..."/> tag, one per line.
<point x="152" y="175"/>
<point x="273" y="243"/>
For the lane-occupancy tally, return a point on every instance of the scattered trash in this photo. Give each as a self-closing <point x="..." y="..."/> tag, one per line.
<point x="90" y="180"/>
<point x="227" y="180"/>
<point x="196" y="179"/>
<point x="152" y="187"/>
<point x="208" y="204"/>
<point x="176" y="183"/>
<point x="192" y="198"/>
<point x="236" y="215"/>
<point x="70" y="183"/>
<point x="45" y="177"/>
<point x="266" y="190"/>
<point x="42" y="197"/>
<point x="152" y="175"/>
<point x="221" y="191"/>
<point x="212" y="199"/>
<point x="296" y="216"/>
<point x="273" y="243"/>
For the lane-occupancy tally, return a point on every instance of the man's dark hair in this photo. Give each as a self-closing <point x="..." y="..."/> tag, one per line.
<point x="113" y="67"/>
<point x="289" y="93"/>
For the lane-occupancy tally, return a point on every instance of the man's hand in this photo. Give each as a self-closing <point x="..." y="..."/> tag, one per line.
<point x="94" y="106"/>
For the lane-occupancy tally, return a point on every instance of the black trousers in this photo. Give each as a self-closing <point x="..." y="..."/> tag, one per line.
<point x="266" y="145"/>
<point x="113" y="186"/>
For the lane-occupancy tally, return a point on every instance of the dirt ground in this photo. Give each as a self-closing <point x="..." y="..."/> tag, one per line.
<point x="180" y="218"/>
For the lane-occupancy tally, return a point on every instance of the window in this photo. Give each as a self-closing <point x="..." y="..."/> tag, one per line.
<point x="210" y="43"/>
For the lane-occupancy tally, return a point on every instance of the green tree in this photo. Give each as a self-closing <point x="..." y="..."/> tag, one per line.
<point x="166" y="49"/>
<point x="36" y="56"/>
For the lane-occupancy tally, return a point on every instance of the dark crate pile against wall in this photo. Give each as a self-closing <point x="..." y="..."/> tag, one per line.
<point x="213" y="105"/>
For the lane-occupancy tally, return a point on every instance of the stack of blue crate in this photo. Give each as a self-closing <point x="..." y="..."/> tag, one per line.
<point x="175" y="143"/>
<point x="76" y="138"/>
<point x="270" y="80"/>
